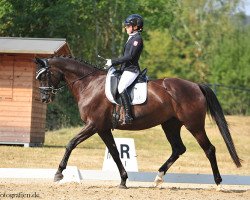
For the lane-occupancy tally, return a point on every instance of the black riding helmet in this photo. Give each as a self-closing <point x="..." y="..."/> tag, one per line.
<point x="134" y="20"/>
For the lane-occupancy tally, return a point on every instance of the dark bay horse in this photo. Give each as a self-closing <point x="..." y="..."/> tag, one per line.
<point x="171" y="102"/>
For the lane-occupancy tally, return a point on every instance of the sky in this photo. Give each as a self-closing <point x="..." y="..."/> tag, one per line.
<point x="246" y="6"/>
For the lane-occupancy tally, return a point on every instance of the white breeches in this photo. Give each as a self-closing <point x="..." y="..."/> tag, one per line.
<point x="126" y="80"/>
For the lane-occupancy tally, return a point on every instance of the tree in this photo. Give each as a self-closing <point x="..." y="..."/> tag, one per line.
<point x="91" y="28"/>
<point x="195" y="31"/>
<point x="230" y="67"/>
<point x="198" y="40"/>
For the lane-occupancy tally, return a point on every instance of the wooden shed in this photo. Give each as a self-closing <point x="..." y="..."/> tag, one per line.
<point x="22" y="115"/>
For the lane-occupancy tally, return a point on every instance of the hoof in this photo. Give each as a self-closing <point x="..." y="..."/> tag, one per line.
<point x="218" y="180"/>
<point x="58" y="177"/>
<point x="159" y="179"/>
<point x="219" y="188"/>
<point x="123" y="187"/>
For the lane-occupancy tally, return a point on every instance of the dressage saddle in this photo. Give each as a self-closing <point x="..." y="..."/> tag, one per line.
<point x="142" y="78"/>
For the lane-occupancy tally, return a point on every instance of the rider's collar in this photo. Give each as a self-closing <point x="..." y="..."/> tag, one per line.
<point x="132" y="34"/>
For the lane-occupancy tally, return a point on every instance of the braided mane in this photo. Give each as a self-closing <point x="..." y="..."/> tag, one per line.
<point x="79" y="60"/>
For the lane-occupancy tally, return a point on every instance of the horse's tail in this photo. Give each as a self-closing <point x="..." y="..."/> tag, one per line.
<point x="217" y="115"/>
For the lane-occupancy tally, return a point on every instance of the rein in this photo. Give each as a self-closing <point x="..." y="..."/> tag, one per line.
<point x="56" y="90"/>
<point x="50" y="87"/>
<point x="86" y="75"/>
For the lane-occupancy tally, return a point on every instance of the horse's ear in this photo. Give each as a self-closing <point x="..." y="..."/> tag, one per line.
<point x="35" y="60"/>
<point x="39" y="61"/>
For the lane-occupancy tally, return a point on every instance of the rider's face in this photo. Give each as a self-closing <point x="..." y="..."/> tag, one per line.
<point x="129" y="29"/>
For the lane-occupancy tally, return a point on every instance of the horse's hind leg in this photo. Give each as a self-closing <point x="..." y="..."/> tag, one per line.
<point x="172" y="129"/>
<point x="209" y="150"/>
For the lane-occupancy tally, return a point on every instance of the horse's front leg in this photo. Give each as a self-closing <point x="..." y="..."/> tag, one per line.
<point x="84" y="134"/>
<point x="108" y="139"/>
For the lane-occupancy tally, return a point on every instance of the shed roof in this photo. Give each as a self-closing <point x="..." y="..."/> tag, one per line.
<point x="32" y="45"/>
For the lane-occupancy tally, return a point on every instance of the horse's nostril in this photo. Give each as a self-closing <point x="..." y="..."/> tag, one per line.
<point x="43" y="99"/>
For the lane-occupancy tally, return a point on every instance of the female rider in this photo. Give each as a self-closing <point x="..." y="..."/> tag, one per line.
<point x="129" y="61"/>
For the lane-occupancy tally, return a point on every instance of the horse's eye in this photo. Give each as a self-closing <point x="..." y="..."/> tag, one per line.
<point x="43" y="77"/>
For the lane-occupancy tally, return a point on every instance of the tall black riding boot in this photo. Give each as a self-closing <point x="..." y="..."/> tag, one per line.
<point x="127" y="107"/>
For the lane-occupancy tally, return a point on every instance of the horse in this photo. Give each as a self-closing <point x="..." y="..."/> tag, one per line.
<point x="171" y="103"/>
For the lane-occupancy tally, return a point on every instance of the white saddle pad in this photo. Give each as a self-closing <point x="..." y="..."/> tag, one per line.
<point x="139" y="90"/>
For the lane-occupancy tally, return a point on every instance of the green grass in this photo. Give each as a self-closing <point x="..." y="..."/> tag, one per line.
<point x="152" y="149"/>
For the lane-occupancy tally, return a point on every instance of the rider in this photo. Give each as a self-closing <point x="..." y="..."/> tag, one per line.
<point x="129" y="61"/>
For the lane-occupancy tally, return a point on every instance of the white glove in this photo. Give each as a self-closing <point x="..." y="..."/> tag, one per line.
<point x="108" y="63"/>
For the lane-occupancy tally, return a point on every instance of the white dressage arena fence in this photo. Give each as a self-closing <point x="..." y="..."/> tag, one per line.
<point x="73" y="174"/>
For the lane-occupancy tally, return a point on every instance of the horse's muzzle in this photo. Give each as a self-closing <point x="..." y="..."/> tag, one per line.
<point x="47" y="95"/>
<point x="47" y="98"/>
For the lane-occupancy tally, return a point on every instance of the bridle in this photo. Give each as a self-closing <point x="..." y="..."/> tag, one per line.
<point x="50" y="88"/>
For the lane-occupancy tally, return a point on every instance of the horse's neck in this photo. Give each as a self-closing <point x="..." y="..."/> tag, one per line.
<point x="79" y="76"/>
<point x="70" y="68"/>
<point x="83" y="85"/>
